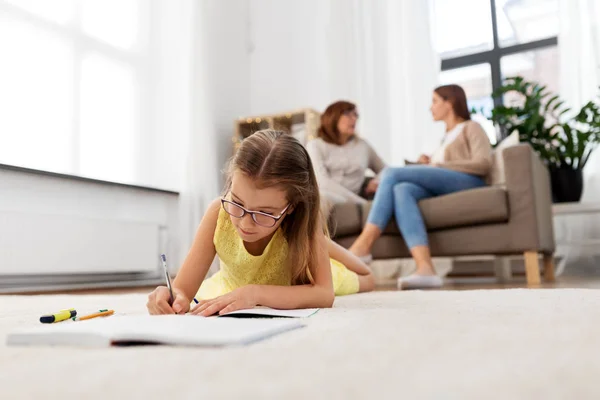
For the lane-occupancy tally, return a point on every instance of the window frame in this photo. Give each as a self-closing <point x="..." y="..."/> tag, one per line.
<point x="494" y="56"/>
<point x="138" y="58"/>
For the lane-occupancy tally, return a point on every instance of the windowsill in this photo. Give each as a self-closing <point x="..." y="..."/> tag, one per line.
<point x="83" y="179"/>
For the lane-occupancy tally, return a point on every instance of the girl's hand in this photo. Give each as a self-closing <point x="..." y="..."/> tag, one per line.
<point x="158" y="302"/>
<point x="239" y="299"/>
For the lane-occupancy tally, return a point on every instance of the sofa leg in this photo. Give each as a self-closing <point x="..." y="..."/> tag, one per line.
<point x="532" y="268"/>
<point x="549" y="268"/>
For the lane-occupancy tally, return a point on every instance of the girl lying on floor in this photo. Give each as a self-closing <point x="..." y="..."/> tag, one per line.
<point x="268" y="233"/>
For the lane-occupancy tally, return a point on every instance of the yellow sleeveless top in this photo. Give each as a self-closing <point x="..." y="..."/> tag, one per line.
<point x="240" y="268"/>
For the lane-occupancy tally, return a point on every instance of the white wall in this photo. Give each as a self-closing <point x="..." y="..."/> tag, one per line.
<point x="226" y="57"/>
<point x="289" y="60"/>
<point x="31" y="196"/>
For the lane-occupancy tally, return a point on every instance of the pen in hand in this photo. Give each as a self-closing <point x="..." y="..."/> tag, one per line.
<point x="167" y="278"/>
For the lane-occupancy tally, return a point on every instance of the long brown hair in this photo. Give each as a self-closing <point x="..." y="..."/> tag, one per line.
<point x="274" y="158"/>
<point x="457" y="97"/>
<point x="328" y="130"/>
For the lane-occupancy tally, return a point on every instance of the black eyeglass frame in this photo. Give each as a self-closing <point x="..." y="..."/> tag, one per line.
<point x="253" y="213"/>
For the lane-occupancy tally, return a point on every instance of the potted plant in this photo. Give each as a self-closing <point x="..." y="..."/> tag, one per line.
<point x="563" y="143"/>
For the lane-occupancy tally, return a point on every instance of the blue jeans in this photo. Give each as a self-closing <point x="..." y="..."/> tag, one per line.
<point x="400" y="190"/>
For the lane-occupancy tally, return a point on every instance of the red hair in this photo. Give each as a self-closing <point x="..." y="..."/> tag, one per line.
<point x="328" y="131"/>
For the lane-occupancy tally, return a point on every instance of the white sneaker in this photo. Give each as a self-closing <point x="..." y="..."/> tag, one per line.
<point x="416" y="281"/>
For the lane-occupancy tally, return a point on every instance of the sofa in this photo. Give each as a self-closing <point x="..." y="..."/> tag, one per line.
<point x="511" y="216"/>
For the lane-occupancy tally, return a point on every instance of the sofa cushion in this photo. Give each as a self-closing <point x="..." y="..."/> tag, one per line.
<point x="486" y="205"/>
<point x="469" y="207"/>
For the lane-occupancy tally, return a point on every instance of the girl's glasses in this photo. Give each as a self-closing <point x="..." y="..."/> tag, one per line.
<point x="261" y="218"/>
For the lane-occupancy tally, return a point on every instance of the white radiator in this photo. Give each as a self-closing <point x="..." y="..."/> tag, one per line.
<point x="66" y="244"/>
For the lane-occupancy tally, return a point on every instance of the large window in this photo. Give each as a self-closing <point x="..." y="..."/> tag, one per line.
<point x="483" y="41"/>
<point x="71" y="81"/>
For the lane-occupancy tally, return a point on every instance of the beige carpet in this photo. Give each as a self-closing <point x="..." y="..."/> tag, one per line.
<point x="492" y="344"/>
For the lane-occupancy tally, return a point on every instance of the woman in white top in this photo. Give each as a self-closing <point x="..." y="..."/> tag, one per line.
<point x="462" y="162"/>
<point x="340" y="158"/>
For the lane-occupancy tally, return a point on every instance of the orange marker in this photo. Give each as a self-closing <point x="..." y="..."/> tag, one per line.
<point x="101" y="313"/>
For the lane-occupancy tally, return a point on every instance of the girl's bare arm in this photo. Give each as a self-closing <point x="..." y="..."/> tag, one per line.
<point x="193" y="270"/>
<point x="201" y="254"/>
<point x="352" y="262"/>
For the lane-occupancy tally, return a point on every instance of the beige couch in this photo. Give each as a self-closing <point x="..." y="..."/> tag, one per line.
<point x="513" y="216"/>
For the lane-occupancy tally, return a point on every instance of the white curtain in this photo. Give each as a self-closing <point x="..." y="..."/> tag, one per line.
<point x="381" y="56"/>
<point x="199" y="156"/>
<point x="579" y="43"/>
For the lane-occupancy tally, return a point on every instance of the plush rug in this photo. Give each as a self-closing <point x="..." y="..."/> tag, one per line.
<point x="492" y="344"/>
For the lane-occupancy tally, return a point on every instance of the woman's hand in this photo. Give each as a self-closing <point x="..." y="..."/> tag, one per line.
<point x="372" y="186"/>
<point x="158" y="302"/>
<point x="239" y="299"/>
<point x="424" y="159"/>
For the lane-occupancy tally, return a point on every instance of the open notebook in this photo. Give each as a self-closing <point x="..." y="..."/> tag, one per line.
<point x="266" y="312"/>
<point x="185" y="330"/>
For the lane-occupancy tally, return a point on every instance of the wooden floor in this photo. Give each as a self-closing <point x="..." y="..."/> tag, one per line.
<point x="450" y="284"/>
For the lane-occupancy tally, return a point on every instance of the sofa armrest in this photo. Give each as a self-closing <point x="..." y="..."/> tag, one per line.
<point x="529" y="199"/>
